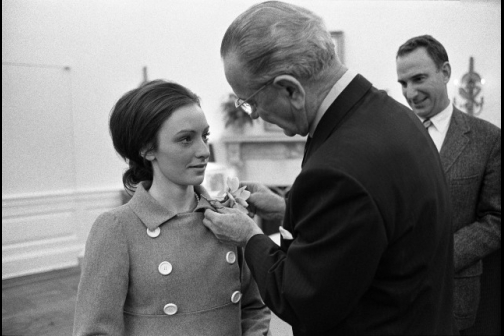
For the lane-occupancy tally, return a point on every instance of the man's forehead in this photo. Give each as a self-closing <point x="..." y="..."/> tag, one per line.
<point x="235" y="72"/>
<point x="414" y="64"/>
<point x="419" y="56"/>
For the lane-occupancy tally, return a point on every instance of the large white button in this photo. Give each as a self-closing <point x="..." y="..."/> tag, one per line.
<point x="235" y="298"/>
<point x="170" y="309"/>
<point x="165" y="268"/>
<point x="230" y="257"/>
<point x="154" y="233"/>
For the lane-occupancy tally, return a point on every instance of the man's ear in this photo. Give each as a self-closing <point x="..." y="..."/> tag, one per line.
<point x="446" y="69"/>
<point x="292" y="89"/>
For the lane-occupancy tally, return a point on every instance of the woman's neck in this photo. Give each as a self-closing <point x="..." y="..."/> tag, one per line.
<point x="175" y="198"/>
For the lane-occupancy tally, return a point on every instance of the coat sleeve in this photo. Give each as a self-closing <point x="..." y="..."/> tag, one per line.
<point x="255" y="316"/>
<point x="479" y="239"/>
<point x="104" y="280"/>
<point x="334" y="222"/>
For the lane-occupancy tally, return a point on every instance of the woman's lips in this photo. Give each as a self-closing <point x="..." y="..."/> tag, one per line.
<point x="199" y="166"/>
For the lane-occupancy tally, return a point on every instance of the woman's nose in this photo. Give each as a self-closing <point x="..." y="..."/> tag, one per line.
<point x="203" y="150"/>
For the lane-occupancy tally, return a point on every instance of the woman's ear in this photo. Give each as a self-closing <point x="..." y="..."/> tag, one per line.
<point x="292" y="89"/>
<point x="148" y="154"/>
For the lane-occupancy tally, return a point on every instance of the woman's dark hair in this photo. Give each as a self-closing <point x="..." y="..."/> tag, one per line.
<point x="136" y="119"/>
<point x="434" y="49"/>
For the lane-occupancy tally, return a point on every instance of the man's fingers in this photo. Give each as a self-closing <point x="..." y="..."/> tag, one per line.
<point x="216" y="204"/>
<point x="212" y="222"/>
<point x="209" y="214"/>
<point x="213" y="216"/>
<point x="209" y="219"/>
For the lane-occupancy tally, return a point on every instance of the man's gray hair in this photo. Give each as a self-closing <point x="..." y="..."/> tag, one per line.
<point x="275" y="38"/>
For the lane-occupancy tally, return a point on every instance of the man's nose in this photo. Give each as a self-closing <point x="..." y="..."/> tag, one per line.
<point x="410" y="92"/>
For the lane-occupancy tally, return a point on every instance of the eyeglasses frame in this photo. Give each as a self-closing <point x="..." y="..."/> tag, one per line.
<point x="240" y="102"/>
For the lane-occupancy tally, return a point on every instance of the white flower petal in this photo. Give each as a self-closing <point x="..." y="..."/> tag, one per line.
<point x="230" y="195"/>
<point x="245" y="194"/>
<point x="241" y="201"/>
<point x="233" y="183"/>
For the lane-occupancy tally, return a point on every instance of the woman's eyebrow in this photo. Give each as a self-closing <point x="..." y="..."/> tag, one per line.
<point x="192" y="130"/>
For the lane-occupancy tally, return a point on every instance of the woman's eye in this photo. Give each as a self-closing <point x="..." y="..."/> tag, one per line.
<point x="185" y="140"/>
<point x="205" y="137"/>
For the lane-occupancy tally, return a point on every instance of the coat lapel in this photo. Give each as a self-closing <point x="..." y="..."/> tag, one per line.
<point x="456" y="139"/>
<point x="336" y="113"/>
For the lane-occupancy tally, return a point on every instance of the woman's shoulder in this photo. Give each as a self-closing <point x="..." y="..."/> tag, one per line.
<point x="114" y="219"/>
<point x="123" y="211"/>
<point x="108" y="231"/>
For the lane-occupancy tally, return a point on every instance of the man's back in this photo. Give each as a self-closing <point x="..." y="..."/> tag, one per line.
<point x="379" y="195"/>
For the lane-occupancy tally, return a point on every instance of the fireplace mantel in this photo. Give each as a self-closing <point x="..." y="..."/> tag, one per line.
<point x="272" y="159"/>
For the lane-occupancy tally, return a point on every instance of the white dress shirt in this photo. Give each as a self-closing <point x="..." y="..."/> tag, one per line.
<point x="439" y="127"/>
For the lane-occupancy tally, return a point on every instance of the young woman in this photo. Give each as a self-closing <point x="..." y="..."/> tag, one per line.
<point x="151" y="267"/>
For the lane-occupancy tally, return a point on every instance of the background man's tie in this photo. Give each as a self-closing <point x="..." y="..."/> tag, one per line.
<point x="427" y="123"/>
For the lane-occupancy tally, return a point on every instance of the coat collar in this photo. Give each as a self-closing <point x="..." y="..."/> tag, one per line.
<point x="456" y="139"/>
<point x="357" y="88"/>
<point x="153" y="214"/>
<point x="333" y="94"/>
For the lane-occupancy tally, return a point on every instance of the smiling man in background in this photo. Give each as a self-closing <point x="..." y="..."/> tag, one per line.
<point x="470" y="150"/>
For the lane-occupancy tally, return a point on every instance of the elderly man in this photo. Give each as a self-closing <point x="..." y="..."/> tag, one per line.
<point x="470" y="150"/>
<point x="368" y="245"/>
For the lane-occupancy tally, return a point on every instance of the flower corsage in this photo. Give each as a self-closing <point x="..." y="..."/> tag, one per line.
<point x="234" y="196"/>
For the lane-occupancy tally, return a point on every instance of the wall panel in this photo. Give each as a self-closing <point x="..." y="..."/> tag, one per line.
<point x="43" y="232"/>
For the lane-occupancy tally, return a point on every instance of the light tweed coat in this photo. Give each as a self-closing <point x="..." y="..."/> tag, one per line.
<point x="122" y="291"/>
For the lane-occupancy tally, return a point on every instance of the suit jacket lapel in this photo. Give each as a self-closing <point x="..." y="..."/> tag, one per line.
<point x="336" y="113"/>
<point x="456" y="139"/>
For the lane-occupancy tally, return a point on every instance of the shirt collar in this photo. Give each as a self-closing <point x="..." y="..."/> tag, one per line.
<point x="441" y="121"/>
<point x="153" y="214"/>
<point x="336" y="90"/>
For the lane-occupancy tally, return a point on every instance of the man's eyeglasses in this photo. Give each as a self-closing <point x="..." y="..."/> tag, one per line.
<point x="245" y="105"/>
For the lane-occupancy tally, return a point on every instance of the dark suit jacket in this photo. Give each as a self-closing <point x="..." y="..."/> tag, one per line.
<point x="471" y="157"/>
<point x="370" y="215"/>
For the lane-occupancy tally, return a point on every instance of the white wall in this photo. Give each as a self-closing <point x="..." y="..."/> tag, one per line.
<point x="105" y="44"/>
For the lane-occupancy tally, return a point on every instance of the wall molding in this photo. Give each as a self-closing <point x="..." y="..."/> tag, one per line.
<point x="47" y="231"/>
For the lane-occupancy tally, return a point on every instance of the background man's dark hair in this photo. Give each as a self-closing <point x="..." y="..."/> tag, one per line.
<point x="435" y="49"/>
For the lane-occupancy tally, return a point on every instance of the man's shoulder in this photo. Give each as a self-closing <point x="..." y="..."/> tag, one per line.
<point x="477" y="124"/>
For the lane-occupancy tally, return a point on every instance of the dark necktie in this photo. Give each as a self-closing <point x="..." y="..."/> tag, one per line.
<point x="427" y="123"/>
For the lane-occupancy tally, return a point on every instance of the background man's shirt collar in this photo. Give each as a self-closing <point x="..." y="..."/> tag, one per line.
<point x="440" y="124"/>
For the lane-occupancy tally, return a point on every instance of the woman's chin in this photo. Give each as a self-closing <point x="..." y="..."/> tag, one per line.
<point x="198" y="180"/>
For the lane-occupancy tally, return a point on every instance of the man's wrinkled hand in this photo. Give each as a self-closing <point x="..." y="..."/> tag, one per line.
<point x="264" y="202"/>
<point x="231" y="225"/>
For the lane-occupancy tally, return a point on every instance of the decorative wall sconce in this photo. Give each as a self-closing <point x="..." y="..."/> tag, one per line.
<point x="145" y="77"/>
<point x="469" y="88"/>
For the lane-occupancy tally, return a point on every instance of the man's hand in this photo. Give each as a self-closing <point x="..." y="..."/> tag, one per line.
<point x="264" y="202"/>
<point x="231" y="225"/>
